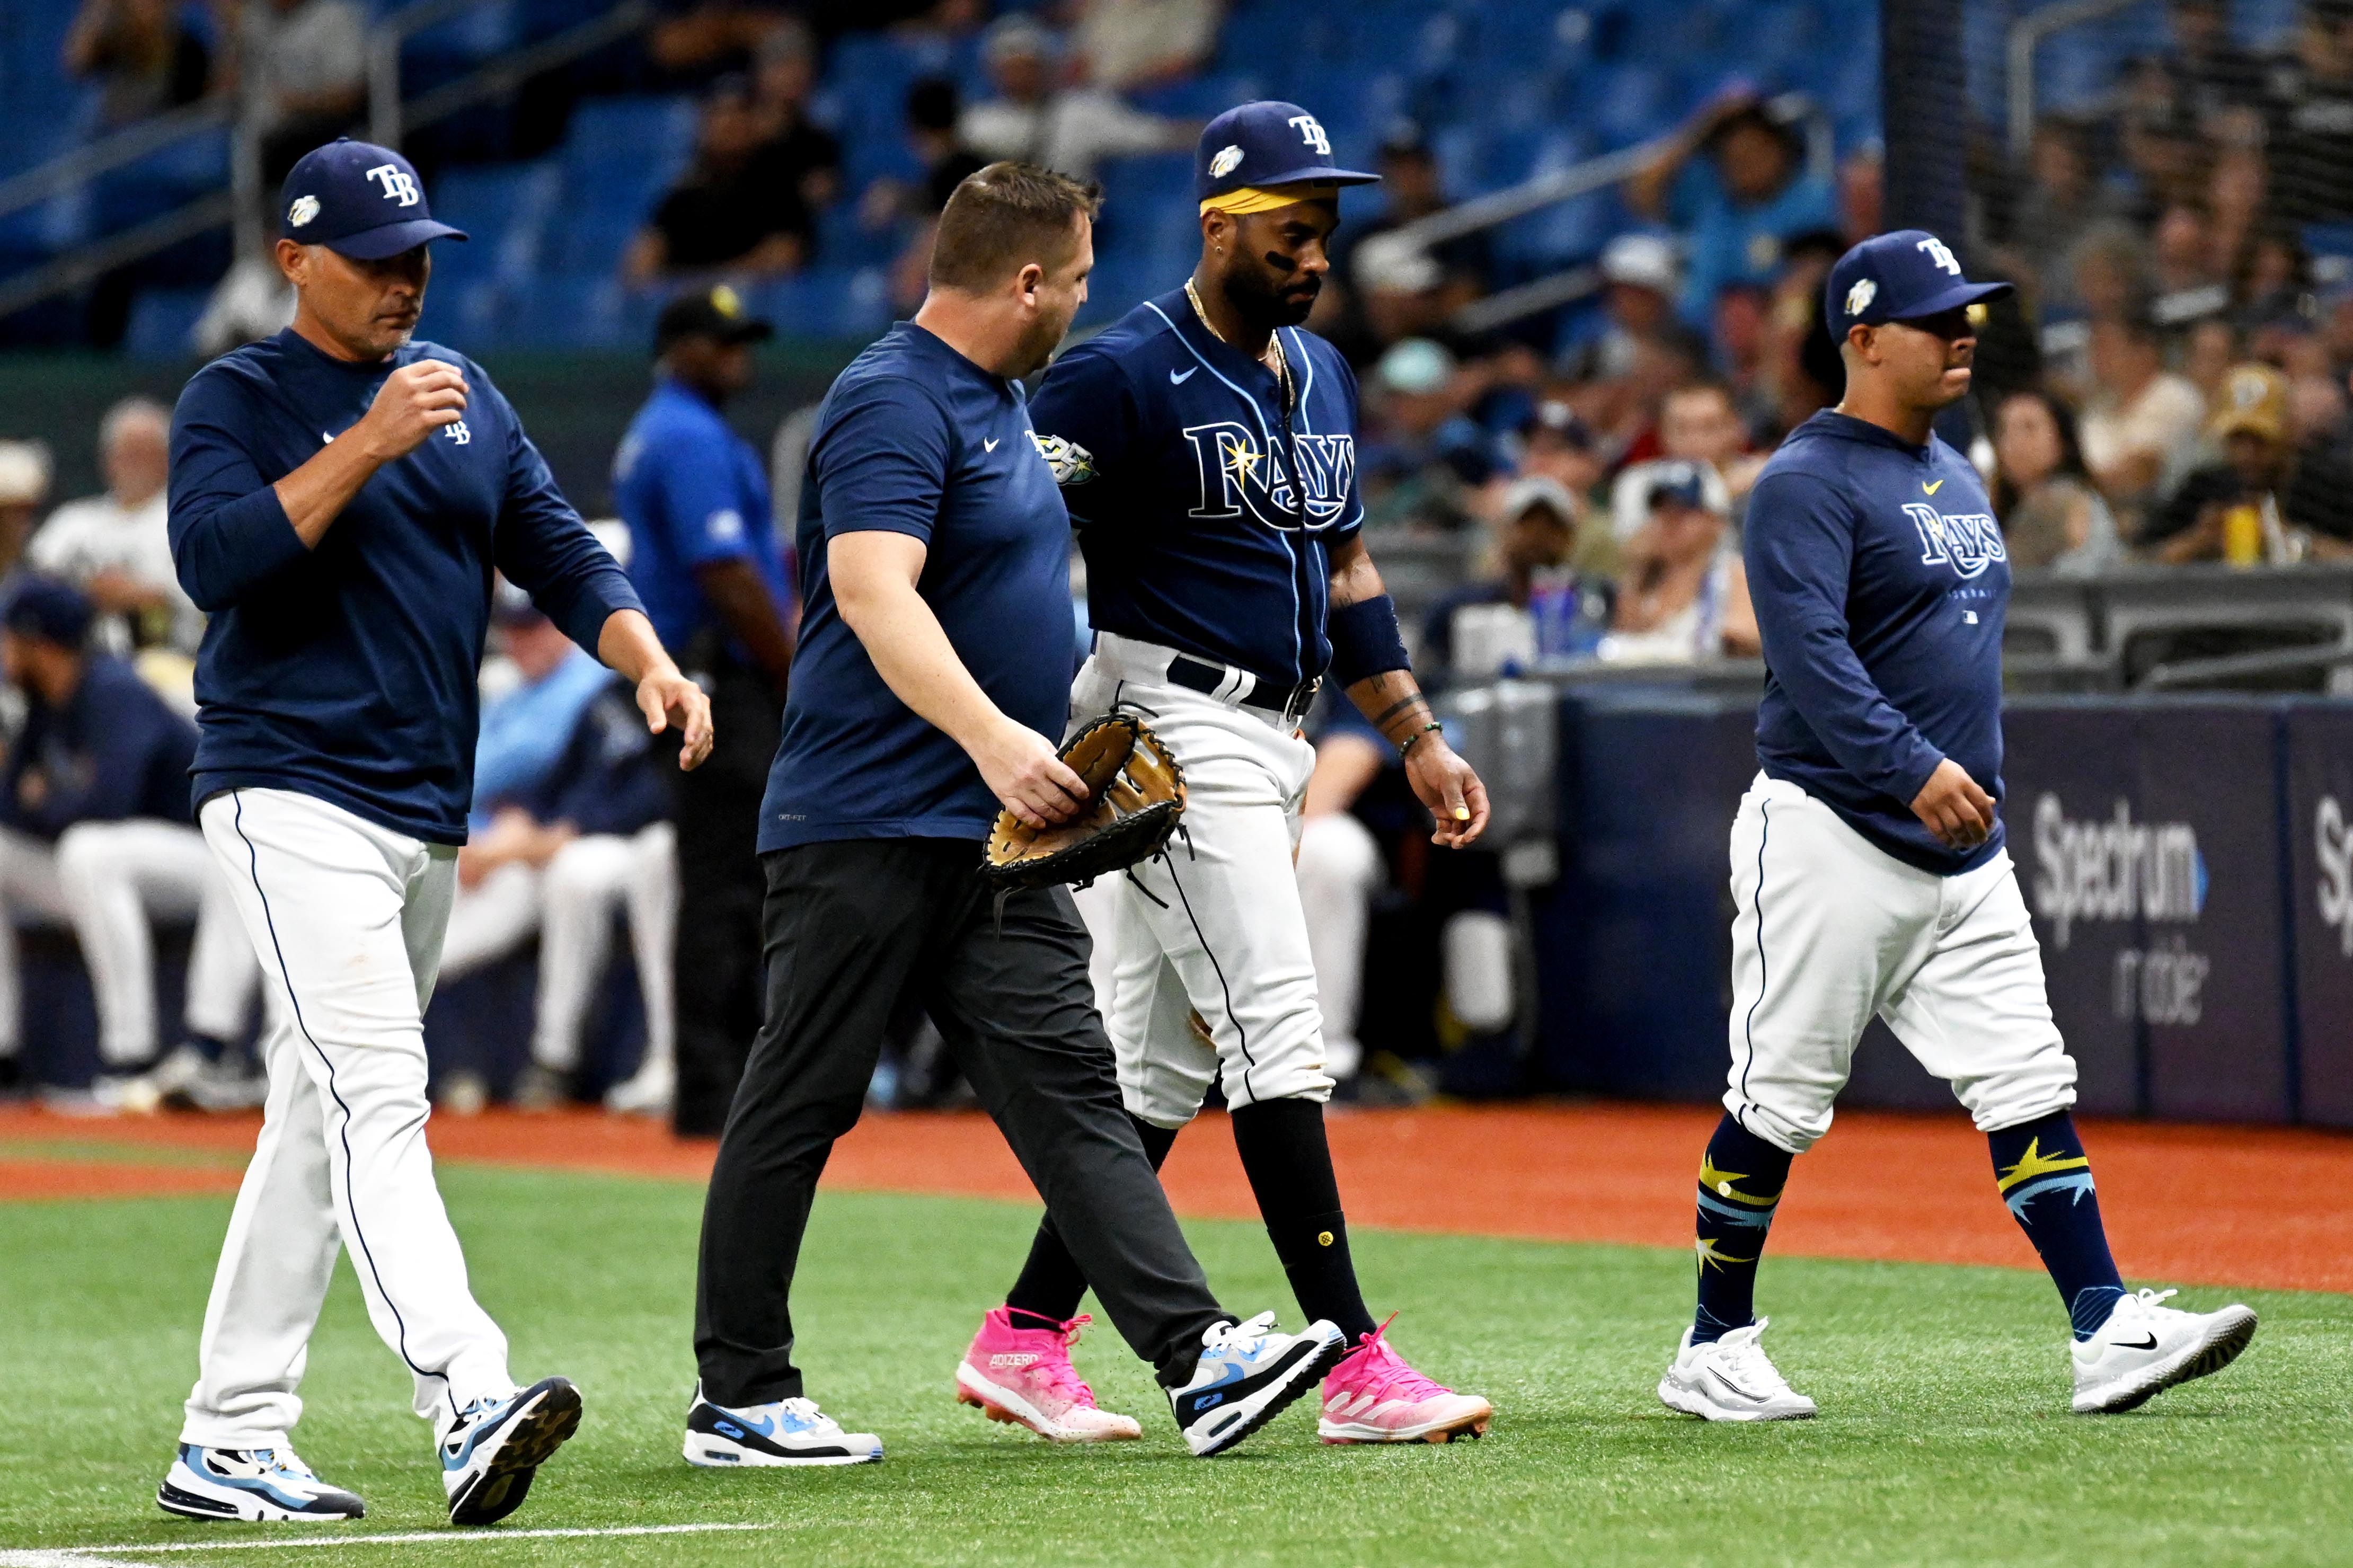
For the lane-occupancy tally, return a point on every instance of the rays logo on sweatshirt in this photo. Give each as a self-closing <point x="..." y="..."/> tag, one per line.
<point x="1967" y="541"/>
<point x="1236" y="475"/>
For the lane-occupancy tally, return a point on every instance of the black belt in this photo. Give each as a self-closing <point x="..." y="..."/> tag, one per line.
<point x="1195" y="675"/>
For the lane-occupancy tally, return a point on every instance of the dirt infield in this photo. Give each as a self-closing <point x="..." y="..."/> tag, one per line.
<point x="2196" y="1205"/>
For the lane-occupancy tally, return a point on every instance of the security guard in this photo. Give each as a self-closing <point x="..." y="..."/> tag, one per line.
<point x="705" y="558"/>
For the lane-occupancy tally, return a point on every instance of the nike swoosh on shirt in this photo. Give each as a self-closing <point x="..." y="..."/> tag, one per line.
<point x="1177" y="379"/>
<point x="989" y="445"/>
<point x="1931" y="490"/>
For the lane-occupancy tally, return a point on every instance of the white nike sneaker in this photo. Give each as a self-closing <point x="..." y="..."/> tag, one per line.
<point x="1731" y="1378"/>
<point x="784" y="1432"/>
<point x="2145" y="1348"/>
<point x="492" y="1448"/>
<point x="645" y="1093"/>
<point x="1247" y="1374"/>
<point x="253" y="1484"/>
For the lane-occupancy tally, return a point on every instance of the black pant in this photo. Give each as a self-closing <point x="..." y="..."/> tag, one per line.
<point x="717" y="947"/>
<point x="854" y="928"/>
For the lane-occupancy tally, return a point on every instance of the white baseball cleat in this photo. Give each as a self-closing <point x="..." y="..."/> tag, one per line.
<point x="1731" y="1378"/>
<point x="2145" y="1348"/>
<point x="251" y="1484"/>
<point x="783" y="1432"/>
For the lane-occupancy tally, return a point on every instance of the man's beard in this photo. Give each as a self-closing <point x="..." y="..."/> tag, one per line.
<point x="1262" y="304"/>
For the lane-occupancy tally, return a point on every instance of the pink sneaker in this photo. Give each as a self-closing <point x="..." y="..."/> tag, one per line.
<point x="1373" y="1396"/>
<point x="1025" y="1377"/>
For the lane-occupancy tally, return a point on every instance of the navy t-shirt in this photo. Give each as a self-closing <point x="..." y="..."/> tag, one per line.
<point x="347" y="672"/>
<point x="1880" y="581"/>
<point x="694" y="494"/>
<point x="111" y="751"/>
<point x="914" y="439"/>
<point x="1182" y="477"/>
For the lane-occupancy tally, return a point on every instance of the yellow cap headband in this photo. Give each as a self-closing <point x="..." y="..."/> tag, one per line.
<point x="1247" y="199"/>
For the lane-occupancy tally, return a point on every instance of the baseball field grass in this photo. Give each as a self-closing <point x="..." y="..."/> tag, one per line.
<point x="1944" y="1436"/>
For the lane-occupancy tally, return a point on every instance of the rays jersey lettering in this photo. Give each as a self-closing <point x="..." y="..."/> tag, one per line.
<point x="1206" y="528"/>
<point x="1236" y="475"/>
<point x="1967" y="543"/>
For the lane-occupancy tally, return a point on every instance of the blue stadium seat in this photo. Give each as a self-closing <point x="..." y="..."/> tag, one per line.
<point x="161" y="323"/>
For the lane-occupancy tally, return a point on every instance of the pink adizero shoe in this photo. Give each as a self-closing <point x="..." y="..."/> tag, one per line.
<point x="1025" y="1377"/>
<point x="1373" y="1396"/>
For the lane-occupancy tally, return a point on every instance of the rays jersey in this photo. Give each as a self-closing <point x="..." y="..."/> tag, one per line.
<point x="1207" y="512"/>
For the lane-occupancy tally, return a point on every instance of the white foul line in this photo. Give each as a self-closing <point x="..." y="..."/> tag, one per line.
<point x="98" y="1556"/>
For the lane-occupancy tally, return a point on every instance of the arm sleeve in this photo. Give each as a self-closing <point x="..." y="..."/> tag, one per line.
<point x="1800" y="546"/>
<point x="881" y="461"/>
<point x="1088" y="406"/>
<point x="229" y="534"/>
<point x="544" y="547"/>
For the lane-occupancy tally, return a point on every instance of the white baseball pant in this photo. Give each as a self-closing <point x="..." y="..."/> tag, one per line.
<point x="107" y="880"/>
<point x="1216" y="926"/>
<point x="1340" y="868"/>
<point x="1829" y="930"/>
<point x="570" y="903"/>
<point x="347" y="919"/>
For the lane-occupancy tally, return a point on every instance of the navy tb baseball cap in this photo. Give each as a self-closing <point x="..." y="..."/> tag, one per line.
<point x="48" y="608"/>
<point x="1899" y="277"/>
<point x="357" y="199"/>
<point x="1265" y="144"/>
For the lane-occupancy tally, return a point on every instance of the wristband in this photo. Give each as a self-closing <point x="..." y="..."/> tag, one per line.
<point x="1365" y="640"/>
<point x="1404" y="747"/>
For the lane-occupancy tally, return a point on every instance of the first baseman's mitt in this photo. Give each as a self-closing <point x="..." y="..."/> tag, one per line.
<point x="1136" y="793"/>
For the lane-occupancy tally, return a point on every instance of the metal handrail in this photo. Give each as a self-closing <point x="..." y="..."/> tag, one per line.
<point x="2026" y="34"/>
<point x="390" y="118"/>
<point x="92" y="261"/>
<point x="128" y="145"/>
<point x="2235" y="666"/>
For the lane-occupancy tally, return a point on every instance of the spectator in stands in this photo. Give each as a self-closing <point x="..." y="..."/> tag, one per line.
<point x="700" y="39"/>
<point x="1803" y="372"/>
<point x="1126" y="45"/>
<point x="1536" y="606"/>
<point x="2139" y="415"/>
<point x="116" y="547"/>
<point x="2209" y="73"/>
<point x="1737" y="207"/>
<point x="96" y="834"/>
<point x="1424" y="455"/>
<point x="729" y="212"/>
<point x="253" y="299"/>
<point x="2209" y="349"/>
<point x="142" y="53"/>
<point x="2270" y="498"/>
<point x="2051" y="514"/>
<point x="1683" y="593"/>
<point x="24" y="492"/>
<point x="1072" y="128"/>
<point x="932" y="119"/>
<point x="794" y="151"/>
<point x="1640" y="284"/>
<point x="2062" y="199"/>
<point x="1557" y="445"/>
<point x="1413" y="188"/>
<point x="2182" y="252"/>
<point x="562" y="840"/>
<point x="312" y="57"/>
<point x="1700" y="431"/>
<point x="2311" y="120"/>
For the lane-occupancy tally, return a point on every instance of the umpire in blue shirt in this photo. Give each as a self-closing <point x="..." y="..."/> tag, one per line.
<point x="705" y="558"/>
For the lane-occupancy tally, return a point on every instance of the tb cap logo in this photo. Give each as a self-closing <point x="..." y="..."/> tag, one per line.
<point x="1311" y="130"/>
<point x="399" y="185"/>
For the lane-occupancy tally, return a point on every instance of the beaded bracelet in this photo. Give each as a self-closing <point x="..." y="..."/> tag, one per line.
<point x="1406" y="745"/>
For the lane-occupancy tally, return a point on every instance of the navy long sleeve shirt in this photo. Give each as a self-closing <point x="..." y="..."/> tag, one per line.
<point x="1880" y="581"/>
<point x="347" y="672"/>
<point x="111" y="751"/>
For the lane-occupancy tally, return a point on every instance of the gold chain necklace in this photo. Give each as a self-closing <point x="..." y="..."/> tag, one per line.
<point x="1274" y="359"/>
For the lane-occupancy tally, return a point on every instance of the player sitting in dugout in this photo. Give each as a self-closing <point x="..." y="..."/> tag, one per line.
<point x="96" y="834"/>
<point x="570" y="823"/>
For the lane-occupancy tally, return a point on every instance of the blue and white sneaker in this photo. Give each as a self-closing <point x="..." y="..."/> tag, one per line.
<point x="494" y="1447"/>
<point x="253" y="1484"/>
<point x="1246" y="1375"/>
<point x="787" y="1432"/>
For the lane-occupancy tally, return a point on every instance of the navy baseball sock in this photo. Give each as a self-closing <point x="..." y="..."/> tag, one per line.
<point x="2042" y="1174"/>
<point x="1047" y="1294"/>
<point x="1740" y="1182"/>
<point x="1289" y="1163"/>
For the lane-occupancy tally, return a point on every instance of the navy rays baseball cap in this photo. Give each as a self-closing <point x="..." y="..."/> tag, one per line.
<point x="359" y="200"/>
<point x="1266" y="143"/>
<point x="48" y="608"/>
<point x="1898" y="277"/>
